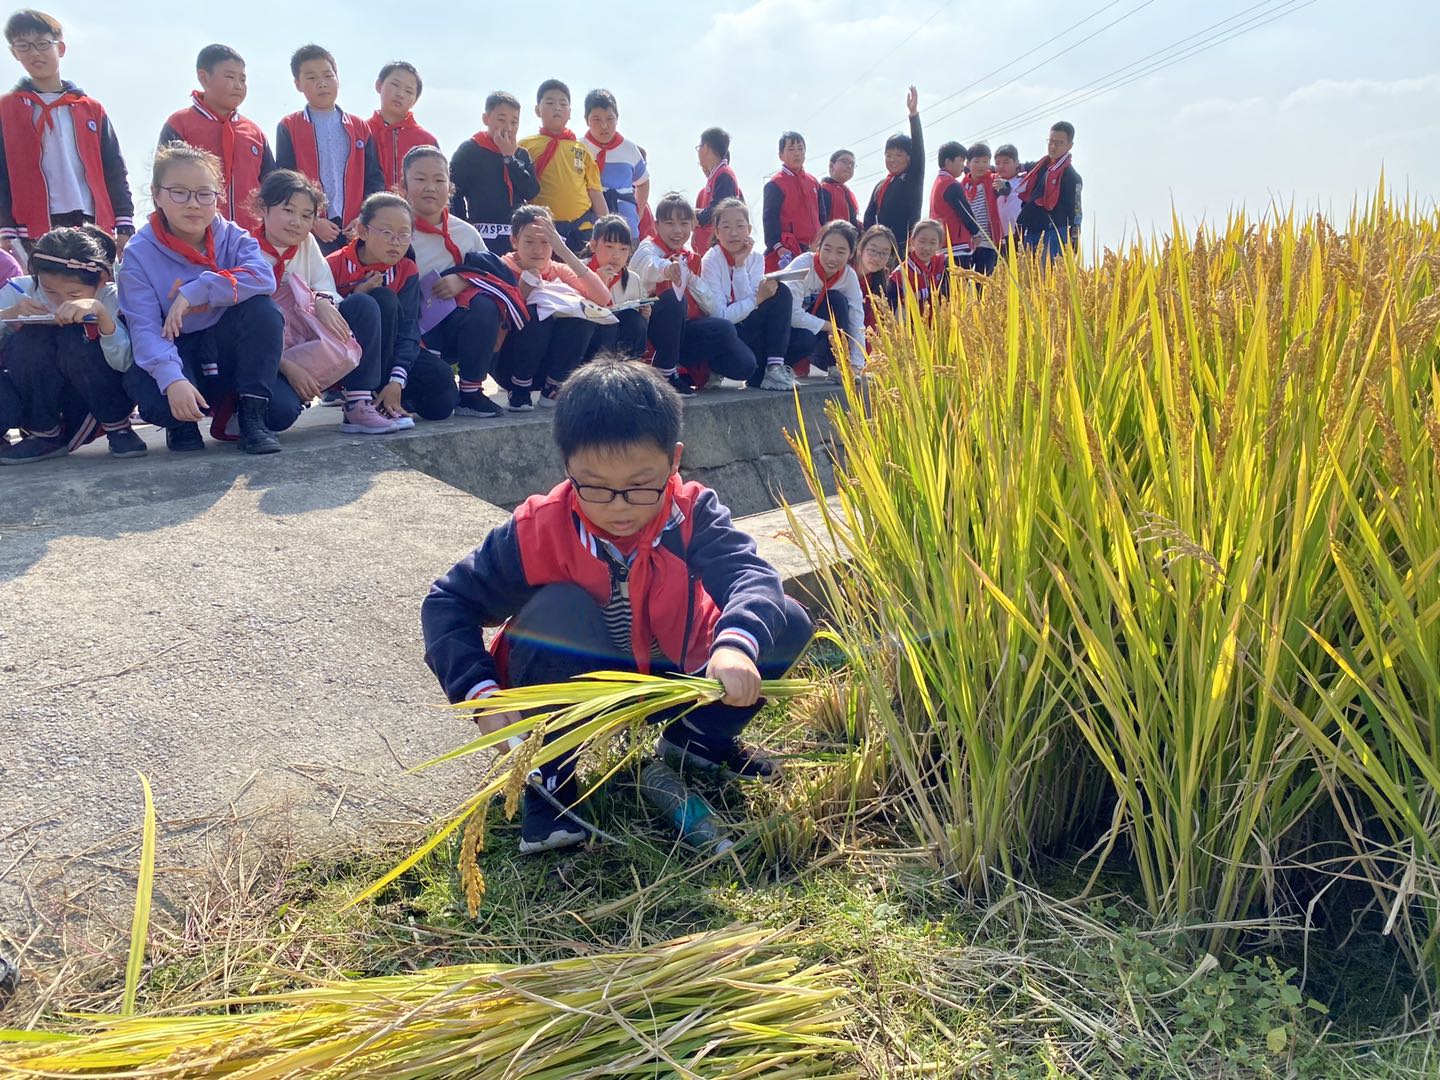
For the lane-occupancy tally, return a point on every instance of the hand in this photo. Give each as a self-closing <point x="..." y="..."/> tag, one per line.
<point x="449" y="287"/>
<point x="745" y="249"/>
<point x="121" y="239"/>
<point x="74" y="311"/>
<point x="186" y="403"/>
<point x="766" y="290"/>
<point x="495" y="721"/>
<point x="505" y="141"/>
<point x="353" y="229"/>
<point x="786" y="258"/>
<point x="912" y="102"/>
<point x="174" y="320"/>
<point x="306" y="388"/>
<point x="325" y="230"/>
<point x="388" y="400"/>
<point x="331" y="319"/>
<point x="557" y="242"/>
<point x="28" y="305"/>
<point x="673" y="272"/>
<point x="737" y="673"/>
<point x="372" y="282"/>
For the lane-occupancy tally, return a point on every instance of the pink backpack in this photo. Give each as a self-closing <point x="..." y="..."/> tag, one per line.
<point x="308" y="344"/>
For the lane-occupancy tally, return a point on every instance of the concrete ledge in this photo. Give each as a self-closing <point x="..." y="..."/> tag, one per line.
<point x="779" y="546"/>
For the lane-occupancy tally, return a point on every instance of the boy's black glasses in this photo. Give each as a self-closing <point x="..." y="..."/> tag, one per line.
<point x="43" y="46"/>
<point x="593" y="493"/>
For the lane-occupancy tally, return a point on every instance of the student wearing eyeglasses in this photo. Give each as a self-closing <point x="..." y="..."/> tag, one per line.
<point x="60" y="161"/>
<point x="197" y="295"/>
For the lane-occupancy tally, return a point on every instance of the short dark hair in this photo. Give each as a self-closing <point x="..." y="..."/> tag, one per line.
<point x="1065" y="127"/>
<point x="850" y="234"/>
<point x="30" y="21"/>
<point x="728" y="203"/>
<point x="787" y="137"/>
<point x="409" y="69"/>
<point x="611" y="229"/>
<point x="212" y="56"/>
<point x="177" y="152"/>
<point x="498" y="98"/>
<point x="674" y="205"/>
<point x="1007" y="150"/>
<point x="383" y="200"/>
<point x="948" y="152"/>
<point x="901" y="142"/>
<point x="306" y="53"/>
<point x="838" y="154"/>
<point x="420" y="153"/>
<point x="282" y="185"/>
<point x="880" y="232"/>
<point x="601" y="99"/>
<point x="551" y="84"/>
<point x="978" y="149"/>
<point x="59" y="250"/>
<point x="717" y="139"/>
<point x="611" y="403"/>
<point x="528" y="214"/>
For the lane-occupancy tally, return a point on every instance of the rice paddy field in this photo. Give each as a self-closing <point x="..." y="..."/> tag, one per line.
<point x="1119" y="757"/>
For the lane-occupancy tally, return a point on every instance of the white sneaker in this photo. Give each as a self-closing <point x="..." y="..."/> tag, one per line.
<point x="778" y="377"/>
<point x="715" y="382"/>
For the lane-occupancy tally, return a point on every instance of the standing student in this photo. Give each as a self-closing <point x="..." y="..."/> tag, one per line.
<point x="492" y="173"/>
<point x="713" y="153"/>
<point x="569" y="179"/>
<point x="213" y="122"/>
<point x="683" y="326"/>
<point x="837" y="201"/>
<point x="330" y="146"/>
<point x="288" y="205"/>
<point x="79" y="357"/>
<point x="759" y="307"/>
<point x="376" y="264"/>
<point x="828" y="318"/>
<point x="611" y="246"/>
<point x="875" y="256"/>
<point x="1006" y="182"/>
<point x="923" y="273"/>
<point x="467" y="335"/>
<point x="549" y="349"/>
<point x="791" y="215"/>
<point x="1050" y="197"/>
<point x="393" y="126"/>
<point x="196" y="293"/>
<point x="60" y="161"/>
<point x="896" y="200"/>
<point x="949" y="206"/>
<point x="624" y="178"/>
<point x="978" y="188"/>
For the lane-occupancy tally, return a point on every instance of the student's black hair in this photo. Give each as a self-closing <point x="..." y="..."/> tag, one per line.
<point x="838" y="154"/>
<point x="498" y="98"/>
<point x="420" y="153"/>
<point x="728" y="203"/>
<point x="674" y="205"/>
<point x="845" y="229"/>
<point x="282" y="185"/>
<point x="310" y="52"/>
<point x="1007" y="150"/>
<point x="978" y="149"/>
<point x="30" y="21"/>
<point x="901" y="142"/>
<point x="718" y="140"/>
<point x="1066" y="127"/>
<point x="528" y="214"/>
<point x="787" y="137"/>
<point x="613" y="229"/>
<point x="874" y="232"/>
<point x="612" y="403"/>
<point x="181" y="153"/>
<point x="383" y="200"/>
<point x="84" y="254"/>
<point x="923" y="224"/>
<point x="600" y="99"/>
<point x="212" y="56"/>
<point x="551" y="84"/>
<point x="405" y="66"/>
<point x="948" y="152"/>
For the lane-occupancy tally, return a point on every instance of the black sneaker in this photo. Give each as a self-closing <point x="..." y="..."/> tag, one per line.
<point x="543" y="827"/>
<point x="741" y="760"/>
<point x="33" y="448"/>
<point x="184" y="439"/>
<point x="475" y="403"/>
<point x="520" y="401"/>
<point x="125" y="443"/>
<point x="681" y="383"/>
<point x="332" y="397"/>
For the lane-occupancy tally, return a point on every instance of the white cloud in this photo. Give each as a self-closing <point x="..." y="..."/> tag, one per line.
<point x="1324" y="91"/>
<point x="1219" y="108"/>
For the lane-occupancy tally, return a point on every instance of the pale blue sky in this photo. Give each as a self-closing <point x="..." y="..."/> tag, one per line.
<point x="1306" y="107"/>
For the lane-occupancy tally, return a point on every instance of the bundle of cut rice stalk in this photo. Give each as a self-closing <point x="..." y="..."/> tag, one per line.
<point x="560" y="719"/>
<point x="732" y="1003"/>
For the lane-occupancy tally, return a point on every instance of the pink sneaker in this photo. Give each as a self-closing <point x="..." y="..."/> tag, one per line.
<point x="362" y="418"/>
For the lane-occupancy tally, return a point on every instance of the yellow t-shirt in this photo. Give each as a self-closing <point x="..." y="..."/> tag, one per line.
<point x="565" y="184"/>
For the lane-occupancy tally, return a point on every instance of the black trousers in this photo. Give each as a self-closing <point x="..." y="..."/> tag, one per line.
<point x="362" y="315"/>
<point x="240" y="354"/>
<point x="561" y="633"/>
<point x="820" y="349"/>
<point x="545" y="349"/>
<point x="679" y="340"/>
<point x="982" y="260"/>
<point x="10" y="412"/>
<point x="466" y="337"/>
<point x="46" y="361"/>
<point x="766" y="331"/>
<point x="430" y="390"/>
<point x="626" y="337"/>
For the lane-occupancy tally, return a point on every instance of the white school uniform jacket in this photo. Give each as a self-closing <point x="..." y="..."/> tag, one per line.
<point x="431" y="253"/>
<point x="115" y="347"/>
<point x="309" y="262"/>
<point x="806" y="290"/>
<point x="733" y="287"/>
<point x="650" y="261"/>
<point x="626" y="287"/>
<point x="1009" y="206"/>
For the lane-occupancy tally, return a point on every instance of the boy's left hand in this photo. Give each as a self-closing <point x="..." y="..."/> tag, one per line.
<point x="737" y="673"/>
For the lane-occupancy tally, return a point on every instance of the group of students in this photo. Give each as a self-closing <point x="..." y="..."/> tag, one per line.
<point x="356" y="262"/>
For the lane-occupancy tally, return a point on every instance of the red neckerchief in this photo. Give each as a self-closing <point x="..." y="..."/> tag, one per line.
<point x="689" y="258"/>
<point x="197" y="258"/>
<point x="603" y="148"/>
<point x="920" y="279"/>
<point x="730" y="261"/>
<point x="1054" y="173"/>
<point x="826" y="284"/>
<point x="880" y="191"/>
<point x="227" y="137"/>
<point x="421" y="225"/>
<point x="643" y="565"/>
<point x="551" y="149"/>
<point x="46" y="121"/>
<point x="484" y="140"/>
<point x="400" y="125"/>
<point x="595" y="269"/>
<point x="282" y="258"/>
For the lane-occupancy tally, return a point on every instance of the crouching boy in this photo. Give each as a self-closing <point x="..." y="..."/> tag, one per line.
<point x="622" y="566"/>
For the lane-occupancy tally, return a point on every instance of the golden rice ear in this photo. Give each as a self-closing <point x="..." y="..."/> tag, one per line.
<point x="472" y="843"/>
